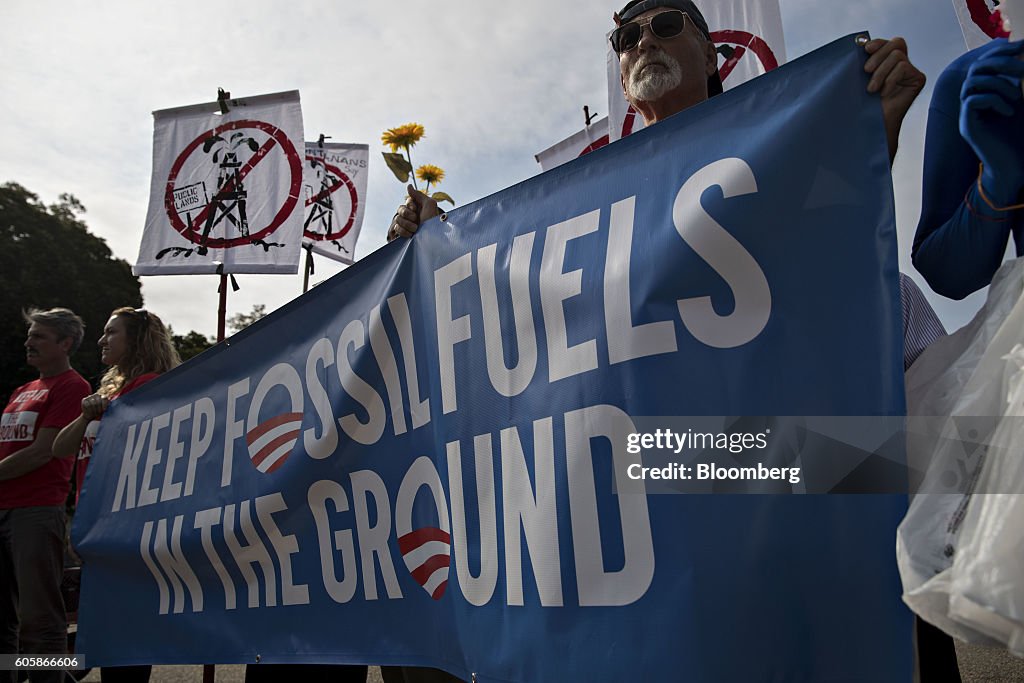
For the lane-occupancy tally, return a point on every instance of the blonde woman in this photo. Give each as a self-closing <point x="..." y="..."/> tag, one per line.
<point x="136" y="348"/>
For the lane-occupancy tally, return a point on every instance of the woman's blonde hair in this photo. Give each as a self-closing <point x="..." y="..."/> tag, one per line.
<point x="149" y="349"/>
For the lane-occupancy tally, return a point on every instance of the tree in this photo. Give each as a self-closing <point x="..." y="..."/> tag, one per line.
<point x="50" y="259"/>
<point x="240" y="321"/>
<point x="190" y="345"/>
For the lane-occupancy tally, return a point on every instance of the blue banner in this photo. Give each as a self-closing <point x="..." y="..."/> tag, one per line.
<point x="421" y="461"/>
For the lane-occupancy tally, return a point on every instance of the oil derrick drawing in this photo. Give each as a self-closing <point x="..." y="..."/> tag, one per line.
<point x="321" y="214"/>
<point x="320" y="220"/>
<point x="230" y="198"/>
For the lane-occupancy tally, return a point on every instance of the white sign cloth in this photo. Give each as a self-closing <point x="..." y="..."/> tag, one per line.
<point x="334" y="196"/>
<point x="1013" y="17"/>
<point x="576" y="145"/>
<point x="980" y="21"/>
<point x="226" y="188"/>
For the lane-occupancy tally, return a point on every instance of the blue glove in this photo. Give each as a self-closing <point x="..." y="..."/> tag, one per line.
<point x="992" y="119"/>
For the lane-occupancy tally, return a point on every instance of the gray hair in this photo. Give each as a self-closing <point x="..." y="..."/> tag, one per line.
<point x="63" y="320"/>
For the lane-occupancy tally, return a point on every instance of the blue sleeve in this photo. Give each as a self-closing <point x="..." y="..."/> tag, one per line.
<point x="960" y="241"/>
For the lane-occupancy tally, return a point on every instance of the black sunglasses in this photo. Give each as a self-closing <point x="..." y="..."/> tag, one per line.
<point x="667" y="24"/>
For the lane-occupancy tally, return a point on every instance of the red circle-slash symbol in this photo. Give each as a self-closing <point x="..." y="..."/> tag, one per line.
<point x="989" y="21"/>
<point x="342" y="180"/>
<point x="743" y="41"/>
<point x="596" y="144"/>
<point x="193" y="231"/>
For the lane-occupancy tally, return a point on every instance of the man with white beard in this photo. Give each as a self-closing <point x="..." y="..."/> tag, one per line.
<point x="654" y="40"/>
<point x="668" y="63"/>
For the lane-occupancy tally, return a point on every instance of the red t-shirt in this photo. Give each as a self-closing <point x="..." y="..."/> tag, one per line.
<point x="93" y="428"/>
<point x="48" y="402"/>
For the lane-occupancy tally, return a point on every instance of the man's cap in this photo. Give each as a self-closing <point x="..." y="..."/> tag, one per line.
<point x="635" y="8"/>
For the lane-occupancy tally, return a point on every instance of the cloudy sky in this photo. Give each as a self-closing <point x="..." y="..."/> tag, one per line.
<point x="492" y="82"/>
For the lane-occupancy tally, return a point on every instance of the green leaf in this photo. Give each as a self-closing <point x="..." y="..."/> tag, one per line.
<point x="398" y="165"/>
<point x="442" y="197"/>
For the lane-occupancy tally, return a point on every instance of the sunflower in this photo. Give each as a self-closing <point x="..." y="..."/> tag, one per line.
<point x="430" y="174"/>
<point x="402" y="136"/>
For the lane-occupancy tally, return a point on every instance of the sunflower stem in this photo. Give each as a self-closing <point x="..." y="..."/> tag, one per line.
<point x="408" y="157"/>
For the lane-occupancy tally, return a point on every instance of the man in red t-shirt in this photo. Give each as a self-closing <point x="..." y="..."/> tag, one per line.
<point x="33" y="488"/>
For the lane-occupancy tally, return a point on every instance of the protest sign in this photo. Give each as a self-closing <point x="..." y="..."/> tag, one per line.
<point x="335" y="198"/>
<point x="576" y="145"/>
<point x="226" y="188"/>
<point x="980" y="21"/>
<point x="422" y="460"/>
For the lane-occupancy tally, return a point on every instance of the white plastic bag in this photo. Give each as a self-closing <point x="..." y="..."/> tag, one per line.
<point x="987" y="591"/>
<point x="954" y="402"/>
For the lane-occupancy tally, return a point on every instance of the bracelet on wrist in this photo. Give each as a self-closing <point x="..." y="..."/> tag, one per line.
<point x="977" y="214"/>
<point x="984" y="197"/>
